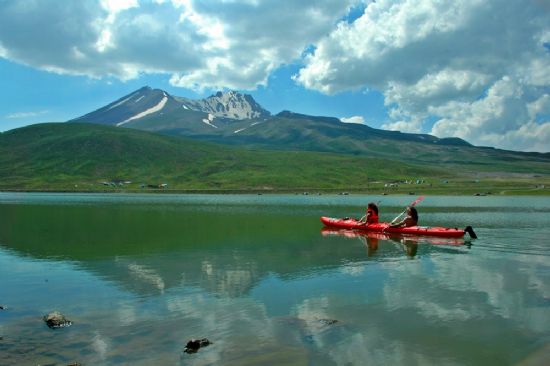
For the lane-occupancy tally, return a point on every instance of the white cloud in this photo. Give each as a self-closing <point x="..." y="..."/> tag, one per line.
<point x="502" y="118"/>
<point x="540" y="106"/>
<point x="115" y="6"/>
<point x="404" y="125"/>
<point x="435" y="88"/>
<point x="478" y="68"/>
<point x="206" y="44"/>
<point x="353" y="119"/>
<point x="18" y="115"/>
<point x="3" y="51"/>
<point x="400" y="121"/>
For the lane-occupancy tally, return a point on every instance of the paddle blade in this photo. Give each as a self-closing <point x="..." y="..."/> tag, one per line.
<point x="416" y="201"/>
<point x="470" y="231"/>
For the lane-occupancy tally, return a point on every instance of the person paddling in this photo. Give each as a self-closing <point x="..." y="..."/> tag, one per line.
<point x="410" y="220"/>
<point x="372" y="214"/>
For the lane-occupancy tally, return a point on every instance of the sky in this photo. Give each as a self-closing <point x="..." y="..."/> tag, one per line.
<point x="474" y="69"/>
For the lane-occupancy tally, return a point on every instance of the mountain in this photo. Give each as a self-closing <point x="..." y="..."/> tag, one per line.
<point x="140" y="106"/>
<point x="237" y="119"/>
<point x="81" y="156"/>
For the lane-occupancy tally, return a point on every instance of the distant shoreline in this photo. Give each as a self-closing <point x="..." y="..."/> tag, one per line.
<point x="451" y="191"/>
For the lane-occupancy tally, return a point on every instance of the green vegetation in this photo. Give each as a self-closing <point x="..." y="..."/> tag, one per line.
<point x="87" y="157"/>
<point x="60" y="156"/>
<point x="291" y="131"/>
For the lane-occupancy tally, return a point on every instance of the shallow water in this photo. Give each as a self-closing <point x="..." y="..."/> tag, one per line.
<point x="139" y="275"/>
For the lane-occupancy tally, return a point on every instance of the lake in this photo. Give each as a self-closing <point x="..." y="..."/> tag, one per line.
<point x="140" y="275"/>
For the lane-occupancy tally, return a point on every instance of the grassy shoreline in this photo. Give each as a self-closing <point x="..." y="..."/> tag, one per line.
<point x="102" y="159"/>
<point x="456" y="189"/>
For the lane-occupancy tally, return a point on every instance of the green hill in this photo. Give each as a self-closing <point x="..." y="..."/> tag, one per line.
<point x="67" y="156"/>
<point x="292" y="131"/>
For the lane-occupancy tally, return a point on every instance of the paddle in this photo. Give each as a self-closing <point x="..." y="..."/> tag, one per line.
<point x="412" y="204"/>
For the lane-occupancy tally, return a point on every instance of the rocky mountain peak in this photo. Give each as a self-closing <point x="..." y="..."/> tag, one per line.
<point x="231" y="104"/>
<point x="147" y="102"/>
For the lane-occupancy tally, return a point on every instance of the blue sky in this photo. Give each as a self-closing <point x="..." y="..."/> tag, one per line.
<point x="31" y="96"/>
<point x="479" y="70"/>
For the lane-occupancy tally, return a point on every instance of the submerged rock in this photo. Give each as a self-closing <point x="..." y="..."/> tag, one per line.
<point x="3" y="307"/>
<point x="327" y="321"/>
<point x="194" y="345"/>
<point x="57" y="320"/>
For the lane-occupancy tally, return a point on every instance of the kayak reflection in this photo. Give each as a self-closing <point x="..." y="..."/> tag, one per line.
<point x="409" y="243"/>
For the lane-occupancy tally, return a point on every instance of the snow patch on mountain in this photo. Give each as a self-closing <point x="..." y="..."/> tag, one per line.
<point x="210" y="120"/>
<point x="232" y="105"/>
<point x="154" y="109"/>
<point x="245" y="128"/>
<point x="122" y="101"/>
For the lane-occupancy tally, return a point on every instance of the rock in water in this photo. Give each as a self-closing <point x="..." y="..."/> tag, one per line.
<point x="194" y="344"/>
<point x="56" y="320"/>
<point x="328" y="321"/>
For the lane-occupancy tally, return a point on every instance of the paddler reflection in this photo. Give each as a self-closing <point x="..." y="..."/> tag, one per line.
<point x="371" y="242"/>
<point x="409" y="244"/>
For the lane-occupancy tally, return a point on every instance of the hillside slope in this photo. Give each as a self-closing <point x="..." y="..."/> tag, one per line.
<point x="292" y="131"/>
<point x="62" y="155"/>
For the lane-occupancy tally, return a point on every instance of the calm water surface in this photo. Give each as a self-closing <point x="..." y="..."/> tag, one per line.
<point x="139" y="275"/>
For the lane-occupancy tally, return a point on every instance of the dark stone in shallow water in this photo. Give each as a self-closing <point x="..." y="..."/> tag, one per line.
<point x="328" y="321"/>
<point x="57" y="320"/>
<point x="3" y="307"/>
<point x="194" y="344"/>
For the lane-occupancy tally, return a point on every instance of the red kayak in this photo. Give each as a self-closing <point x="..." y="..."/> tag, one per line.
<point x="383" y="227"/>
